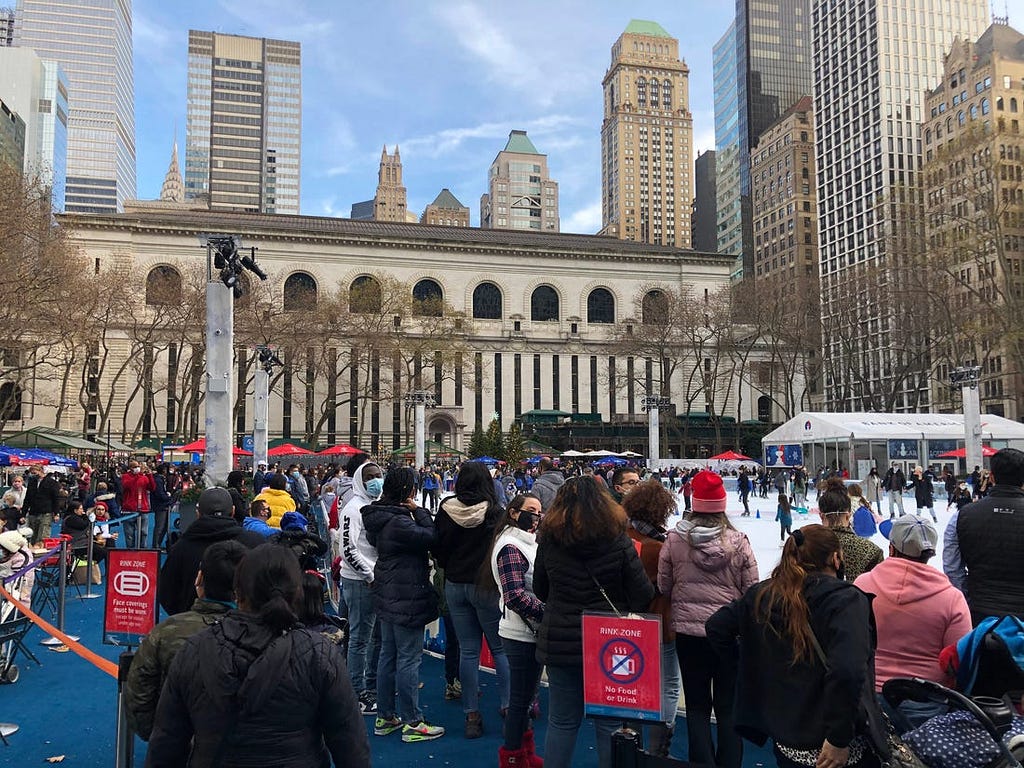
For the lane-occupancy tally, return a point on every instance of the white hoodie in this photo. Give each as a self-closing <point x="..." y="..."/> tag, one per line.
<point x="357" y="555"/>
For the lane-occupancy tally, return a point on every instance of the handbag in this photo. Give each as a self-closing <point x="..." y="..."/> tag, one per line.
<point x="884" y="741"/>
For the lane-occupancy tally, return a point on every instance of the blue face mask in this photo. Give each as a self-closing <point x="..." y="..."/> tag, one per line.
<point x="374" y="487"/>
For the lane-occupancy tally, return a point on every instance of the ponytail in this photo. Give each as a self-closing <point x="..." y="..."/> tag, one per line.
<point x="809" y="549"/>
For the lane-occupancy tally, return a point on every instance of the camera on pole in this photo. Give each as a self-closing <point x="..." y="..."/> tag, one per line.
<point x="230" y="264"/>
<point x="268" y="359"/>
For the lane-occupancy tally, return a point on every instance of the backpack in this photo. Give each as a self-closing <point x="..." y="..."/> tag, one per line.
<point x="864" y="522"/>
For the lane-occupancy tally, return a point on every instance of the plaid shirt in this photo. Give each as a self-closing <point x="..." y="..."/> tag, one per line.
<point x="512" y="567"/>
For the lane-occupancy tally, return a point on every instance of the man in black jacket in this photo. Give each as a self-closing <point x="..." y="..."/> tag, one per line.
<point x="45" y="505"/>
<point x="176" y="590"/>
<point x="983" y="549"/>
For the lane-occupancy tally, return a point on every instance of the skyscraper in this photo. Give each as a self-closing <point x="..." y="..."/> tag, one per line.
<point x="244" y="122"/>
<point x="447" y="210"/>
<point x="92" y="42"/>
<point x="647" y="139"/>
<point x="389" y="204"/>
<point x="521" y="194"/>
<point x="38" y="90"/>
<point x="873" y="61"/>
<point x="771" y="66"/>
<point x="704" y="219"/>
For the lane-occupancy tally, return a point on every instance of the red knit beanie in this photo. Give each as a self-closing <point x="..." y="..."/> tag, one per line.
<point x="708" y="493"/>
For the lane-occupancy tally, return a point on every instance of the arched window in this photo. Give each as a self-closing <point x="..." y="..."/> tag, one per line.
<point x="427" y="299"/>
<point x="364" y="296"/>
<point x="299" y="291"/>
<point x="655" y="308"/>
<point x="764" y="408"/>
<point x="163" y="286"/>
<point x="974" y="112"/>
<point x="487" y="302"/>
<point x="985" y="106"/>
<point x="10" y="401"/>
<point x="544" y="304"/>
<point x="1013" y="104"/>
<point x="960" y="118"/>
<point x="600" y="306"/>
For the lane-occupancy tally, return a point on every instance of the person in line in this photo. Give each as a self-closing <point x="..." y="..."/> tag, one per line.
<point x="705" y="564"/>
<point x="548" y="481"/>
<point x="512" y="554"/>
<point x="403" y="598"/>
<point x="860" y="555"/>
<point x="624" y="480"/>
<point x="275" y="493"/>
<point x="358" y="557"/>
<point x="259" y="477"/>
<point x="648" y="508"/>
<point x="256" y="522"/>
<point x="983" y="547"/>
<point x="15" y="555"/>
<point x="585" y="562"/>
<point x="894" y="483"/>
<point x="917" y="612"/>
<point x="924" y="493"/>
<point x="311" y="610"/>
<point x="136" y="486"/>
<point x="465" y="529"/>
<point x="162" y="498"/>
<point x="18" y="491"/>
<point x="215" y="596"/>
<point x="44" y="505"/>
<point x="807" y="701"/>
<point x="784" y="517"/>
<point x="176" y="589"/>
<point x="257" y="688"/>
<point x="79" y="527"/>
<point x="236" y="487"/>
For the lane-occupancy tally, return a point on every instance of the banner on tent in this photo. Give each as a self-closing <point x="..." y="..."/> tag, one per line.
<point x="903" y="450"/>
<point x="938" y="447"/>
<point x="783" y="455"/>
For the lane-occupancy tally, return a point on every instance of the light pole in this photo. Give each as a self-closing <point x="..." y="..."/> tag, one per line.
<point x="261" y="408"/>
<point x="967" y="378"/>
<point x="654" y="405"/>
<point x="420" y="401"/>
<point x="222" y="255"/>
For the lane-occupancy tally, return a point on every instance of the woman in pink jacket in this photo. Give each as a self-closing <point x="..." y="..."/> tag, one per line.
<point x="705" y="564"/>
<point x="917" y="611"/>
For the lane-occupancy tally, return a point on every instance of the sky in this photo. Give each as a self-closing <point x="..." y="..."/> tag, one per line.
<point x="445" y="80"/>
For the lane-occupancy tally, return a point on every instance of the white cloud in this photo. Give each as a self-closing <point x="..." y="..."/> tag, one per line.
<point x="267" y="18"/>
<point x="584" y="221"/>
<point x="450" y="140"/>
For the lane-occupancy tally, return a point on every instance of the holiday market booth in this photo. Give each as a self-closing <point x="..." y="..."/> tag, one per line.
<point x="859" y="441"/>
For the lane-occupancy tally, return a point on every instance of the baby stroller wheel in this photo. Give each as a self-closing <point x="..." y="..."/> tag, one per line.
<point x="12" y="674"/>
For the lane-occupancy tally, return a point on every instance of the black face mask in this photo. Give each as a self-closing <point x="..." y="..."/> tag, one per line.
<point x="526" y="520"/>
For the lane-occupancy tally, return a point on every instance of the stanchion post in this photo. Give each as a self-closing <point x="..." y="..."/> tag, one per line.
<point x="625" y="748"/>
<point x="124" y="752"/>
<point x="88" y="565"/>
<point x="62" y="585"/>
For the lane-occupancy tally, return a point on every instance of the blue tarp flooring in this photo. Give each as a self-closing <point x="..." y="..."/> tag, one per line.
<point x="67" y="707"/>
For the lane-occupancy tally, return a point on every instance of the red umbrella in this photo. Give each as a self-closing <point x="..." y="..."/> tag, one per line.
<point x="730" y="456"/>
<point x="344" y="449"/>
<point x="288" y="449"/>
<point x="961" y="453"/>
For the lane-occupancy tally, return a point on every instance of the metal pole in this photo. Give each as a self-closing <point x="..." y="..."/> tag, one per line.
<point x="62" y="585"/>
<point x="261" y="413"/>
<point x="124" y="744"/>
<point x="654" y="437"/>
<point x="972" y="426"/>
<point x="421" y="428"/>
<point x="88" y="566"/>
<point x="219" y="354"/>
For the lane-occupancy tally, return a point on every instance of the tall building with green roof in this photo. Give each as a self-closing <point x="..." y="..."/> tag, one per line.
<point x="647" y="139"/>
<point x="521" y="194"/>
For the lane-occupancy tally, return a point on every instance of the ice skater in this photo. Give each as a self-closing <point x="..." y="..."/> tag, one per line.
<point x="784" y="517"/>
<point x="921" y="482"/>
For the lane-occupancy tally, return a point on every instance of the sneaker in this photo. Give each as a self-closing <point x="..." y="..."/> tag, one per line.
<point x="421" y="731"/>
<point x="384" y="726"/>
<point x="453" y="691"/>
<point x="368" y="703"/>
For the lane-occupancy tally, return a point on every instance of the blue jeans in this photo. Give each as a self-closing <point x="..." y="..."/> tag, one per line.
<point x="361" y="620"/>
<point x="401" y="649"/>
<point x="476" y="613"/>
<point x="565" y="705"/>
<point x="670" y="682"/>
<point x="160" y="517"/>
<point x="524" y="677"/>
<point x="136" y="531"/>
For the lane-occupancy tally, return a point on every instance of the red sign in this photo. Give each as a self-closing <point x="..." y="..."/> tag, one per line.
<point x="131" y="606"/>
<point x="622" y="666"/>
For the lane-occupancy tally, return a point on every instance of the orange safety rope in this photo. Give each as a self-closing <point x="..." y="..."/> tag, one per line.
<point x="93" y="658"/>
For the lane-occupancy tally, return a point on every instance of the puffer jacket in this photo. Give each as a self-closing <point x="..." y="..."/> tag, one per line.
<point x="546" y="487"/>
<point x="562" y="580"/>
<point x="464" y="533"/>
<point x="401" y="590"/>
<point x="154" y="657"/>
<point x="701" y="569"/>
<point x="272" y="699"/>
<point x="279" y="503"/>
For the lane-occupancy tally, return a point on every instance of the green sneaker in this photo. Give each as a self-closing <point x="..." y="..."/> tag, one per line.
<point x="383" y="726"/>
<point x="421" y="731"/>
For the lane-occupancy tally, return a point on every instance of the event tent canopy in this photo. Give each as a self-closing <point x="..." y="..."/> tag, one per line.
<point x="45" y="437"/>
<point x="961" y="453"/>
<point x="433" y="450"/>
<point x="808" y="427"/>
<point x="731" y="456"/>
<point x="288" y="449"/>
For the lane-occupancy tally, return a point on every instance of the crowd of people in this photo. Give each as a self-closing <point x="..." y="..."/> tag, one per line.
<point x="514" y="559"/>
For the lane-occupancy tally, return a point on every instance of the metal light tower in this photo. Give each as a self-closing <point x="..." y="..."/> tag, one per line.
<point x="261" y="408"/>
<point x="966" y="378"/>
<point x="223" y="256"/>
<point x="420" y="401"/>
<point x="653" y="405"/>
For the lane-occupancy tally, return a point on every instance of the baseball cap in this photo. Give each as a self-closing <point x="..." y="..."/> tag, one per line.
<point x="215" y="502"/>
<point x="913" y="536"/>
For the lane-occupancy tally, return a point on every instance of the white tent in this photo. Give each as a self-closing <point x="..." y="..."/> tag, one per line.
<point x="815" y="427"/>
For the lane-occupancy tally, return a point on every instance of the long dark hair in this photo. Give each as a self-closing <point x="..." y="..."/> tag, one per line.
<point x="398" y="486"/>
<point x="311" y="606"/>
<point x="809" y="549"/>
<point x="268" y="581"/>
<point x="475" y="484"/>
<point x="485" y="577"/>
<point x="582" y="511"/>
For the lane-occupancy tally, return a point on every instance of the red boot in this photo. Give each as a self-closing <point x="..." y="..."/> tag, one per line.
<point x="533" y="761"/>
<point x="512" y="758"/>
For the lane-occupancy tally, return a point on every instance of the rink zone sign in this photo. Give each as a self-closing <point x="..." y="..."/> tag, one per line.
<point x="622" y="666"/>
<point x="131" y="606"/>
